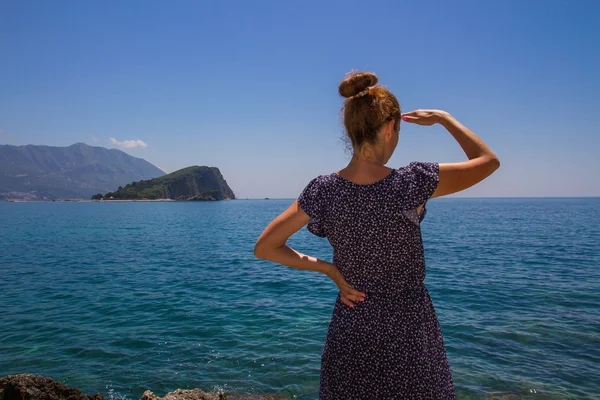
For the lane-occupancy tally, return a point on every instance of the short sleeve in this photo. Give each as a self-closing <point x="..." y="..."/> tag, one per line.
<point x="311" y="201"/>
<point x="420" y="179"/>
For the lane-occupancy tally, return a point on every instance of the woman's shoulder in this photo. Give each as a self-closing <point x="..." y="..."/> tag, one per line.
<point x="417" y="167"/>
<point x="415" y="170"/>
<point x="417" y="181"/>
<point x="322" y="181"/>
<point x="419" y="172"/>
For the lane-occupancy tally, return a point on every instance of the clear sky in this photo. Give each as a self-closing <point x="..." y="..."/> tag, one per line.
<point x="251" y="86"/>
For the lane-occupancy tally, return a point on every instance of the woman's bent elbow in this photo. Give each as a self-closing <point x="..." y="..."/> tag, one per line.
<point x="259" y="251"/>
<point x="495" y="162"/>
<point x="491" y="163"/>
<point x="263" y="251"/>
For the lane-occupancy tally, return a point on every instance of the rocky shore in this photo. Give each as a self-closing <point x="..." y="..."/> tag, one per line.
<point x="32" y="387"/>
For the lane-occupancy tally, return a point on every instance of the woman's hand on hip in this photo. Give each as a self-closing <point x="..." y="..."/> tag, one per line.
<point x="347" y="293"/>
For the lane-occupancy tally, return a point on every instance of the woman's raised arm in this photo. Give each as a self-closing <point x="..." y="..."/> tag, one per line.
<point x="455" y="177"/>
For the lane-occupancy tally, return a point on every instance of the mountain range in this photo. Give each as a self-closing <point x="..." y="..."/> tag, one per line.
<point x="33" y="172"/>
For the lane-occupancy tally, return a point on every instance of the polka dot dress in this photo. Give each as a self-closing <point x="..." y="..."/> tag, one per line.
<point x="390" y="346"/>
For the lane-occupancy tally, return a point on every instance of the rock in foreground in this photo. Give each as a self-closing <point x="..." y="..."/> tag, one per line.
<point x="31" y="387"/>
<point x="197" y="394"/>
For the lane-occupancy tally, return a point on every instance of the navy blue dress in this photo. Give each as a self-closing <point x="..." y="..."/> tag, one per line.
<point x="390" y="346"/>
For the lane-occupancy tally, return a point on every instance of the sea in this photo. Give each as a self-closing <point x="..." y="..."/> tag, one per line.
<point x="118" y="298"/>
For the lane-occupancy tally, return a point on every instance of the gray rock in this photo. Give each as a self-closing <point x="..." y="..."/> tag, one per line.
<point x="31" y="387"/>
<point x="197" y="394"/>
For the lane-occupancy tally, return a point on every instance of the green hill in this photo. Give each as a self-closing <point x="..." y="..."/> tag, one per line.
<point x="191" y="183"/>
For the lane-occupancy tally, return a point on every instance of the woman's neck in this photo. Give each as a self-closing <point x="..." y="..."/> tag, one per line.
<point x="371" y="158"/>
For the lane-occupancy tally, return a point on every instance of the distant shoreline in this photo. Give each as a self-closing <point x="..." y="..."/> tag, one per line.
<point x="284" y="198"/>
<point x="91" y="201"/>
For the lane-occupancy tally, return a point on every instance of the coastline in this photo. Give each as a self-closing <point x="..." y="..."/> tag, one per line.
<point x="85" y="201"/>
<point x="106" y="201"/>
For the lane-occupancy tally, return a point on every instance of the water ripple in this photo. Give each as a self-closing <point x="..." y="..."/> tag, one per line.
<point x="119" y="298"/>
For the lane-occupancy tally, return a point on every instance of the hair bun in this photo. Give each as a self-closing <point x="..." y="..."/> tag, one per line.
<point x="355" y="82"/>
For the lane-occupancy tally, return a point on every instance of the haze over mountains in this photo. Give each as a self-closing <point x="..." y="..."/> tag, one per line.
<point x="78" y="171"/>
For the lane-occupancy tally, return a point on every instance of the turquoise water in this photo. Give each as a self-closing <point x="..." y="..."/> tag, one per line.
<point x="118" y="298"/>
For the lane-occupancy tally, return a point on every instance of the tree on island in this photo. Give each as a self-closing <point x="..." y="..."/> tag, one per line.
<point x="192" y="183"/>
<point x="97" y="196"/>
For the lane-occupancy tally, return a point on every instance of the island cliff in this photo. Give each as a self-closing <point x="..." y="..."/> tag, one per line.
<point x="191" y="183"/>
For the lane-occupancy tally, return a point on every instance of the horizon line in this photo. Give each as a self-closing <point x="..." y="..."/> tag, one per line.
<point x="449" y="197"/>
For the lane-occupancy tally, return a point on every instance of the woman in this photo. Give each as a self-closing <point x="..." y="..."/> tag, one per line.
<point x="384" y="340"/>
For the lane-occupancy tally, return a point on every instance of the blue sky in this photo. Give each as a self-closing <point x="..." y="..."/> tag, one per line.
<point x="251" y="86"/>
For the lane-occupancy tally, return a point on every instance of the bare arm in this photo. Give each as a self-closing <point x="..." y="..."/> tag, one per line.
<point x="455" y="177"/>
<point x="271" y="245"/>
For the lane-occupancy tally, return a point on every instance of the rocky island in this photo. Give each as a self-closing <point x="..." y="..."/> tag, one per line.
<point x="196" y="183"/>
